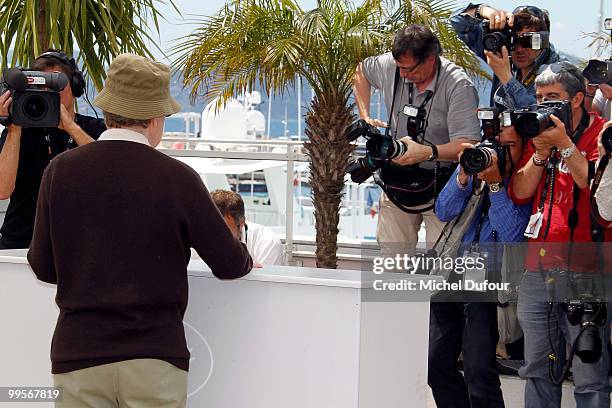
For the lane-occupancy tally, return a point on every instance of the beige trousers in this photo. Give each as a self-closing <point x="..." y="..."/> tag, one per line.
<point x="139" y="383"/>
<point x="398" y="231"/>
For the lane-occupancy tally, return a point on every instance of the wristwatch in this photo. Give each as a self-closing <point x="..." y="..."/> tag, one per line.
<point x="568" y="151"/>
<point x="434" y="153"/>
<point x="496" y="187"/>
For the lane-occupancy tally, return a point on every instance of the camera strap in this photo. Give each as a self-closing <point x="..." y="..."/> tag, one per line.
<point x="484" y="212"/>
<point x="395" y="82"/>
<point x="551" y="168"/>
<point x="429" y="95"/>
<point x="529" y="79"/>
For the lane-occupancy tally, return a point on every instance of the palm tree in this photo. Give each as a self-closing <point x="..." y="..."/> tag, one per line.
<point x="99" y="29"/>
<point x="269" y="42"/>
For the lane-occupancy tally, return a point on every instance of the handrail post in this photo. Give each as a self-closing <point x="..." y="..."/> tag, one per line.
<point x="289" y="207"/>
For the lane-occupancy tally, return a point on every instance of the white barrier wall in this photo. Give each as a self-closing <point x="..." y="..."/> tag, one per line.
<point x="280" y="337"/>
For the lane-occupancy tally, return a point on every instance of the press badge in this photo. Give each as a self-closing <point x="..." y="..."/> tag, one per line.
<point x="475" y="274"/>
<point x="534" y="225"/>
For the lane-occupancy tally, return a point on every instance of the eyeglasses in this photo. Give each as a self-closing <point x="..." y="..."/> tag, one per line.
<point x="409" y="70"/>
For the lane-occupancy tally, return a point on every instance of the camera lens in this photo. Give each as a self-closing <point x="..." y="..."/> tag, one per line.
<point x="474" y="160"/>
<point x="35" y="107"/>
<point x="493" y="42"/>
<point x="531" y="124"/>
<point x="396" y="149"/>
<point x="589" y="345"/>
<point x="606" y="139"/>
<point x="361" y="169"/>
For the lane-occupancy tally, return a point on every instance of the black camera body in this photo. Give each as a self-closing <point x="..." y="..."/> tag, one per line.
<point x="36" y="98"/>
<point x="589" y="314"/>
<point x="494" y="40"/>
<point x="532" y="121"/>
<point x="478" y="158"/>
<point x="598" y="72"/>
<point x="379" y="147"/>
<point x="416" y="122"/>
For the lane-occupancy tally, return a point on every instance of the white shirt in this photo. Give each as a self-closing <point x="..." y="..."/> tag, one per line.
<point x="125" y="135"/>
<point x="603" y="104"/>
<point x="264" y="245"/>
<point x="603" y="194"/>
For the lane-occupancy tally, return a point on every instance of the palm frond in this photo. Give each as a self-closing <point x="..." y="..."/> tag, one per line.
<point x="96" y="30"/>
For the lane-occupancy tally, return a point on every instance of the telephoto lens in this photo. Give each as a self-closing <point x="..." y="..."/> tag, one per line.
<point x="386" y="147"/>
<point x="606" y="139"/>
<point x="476" y="159"/>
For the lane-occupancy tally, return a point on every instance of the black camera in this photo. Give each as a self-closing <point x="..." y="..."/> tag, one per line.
<point x="532" y="121"/>
<point x="598" y="72"/>
<point x="606" y="139"/>
<point x="379" y="148"/>
<point x="589" y="314"/>
<point x="478" y="158"/>
<point x="416" y="120"/>
<point x="494" y="40"/>
<point x="36" y="98"/>
<point x="536" y="40"/>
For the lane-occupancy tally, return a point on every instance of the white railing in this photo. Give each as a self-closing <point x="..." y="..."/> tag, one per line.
<point x="292" y="153"/>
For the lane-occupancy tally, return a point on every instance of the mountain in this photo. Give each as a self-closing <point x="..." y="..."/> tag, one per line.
<point x="286" y="105"/>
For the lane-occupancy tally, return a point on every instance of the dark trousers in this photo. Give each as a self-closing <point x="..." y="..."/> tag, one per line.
<point x="471" y="328"/>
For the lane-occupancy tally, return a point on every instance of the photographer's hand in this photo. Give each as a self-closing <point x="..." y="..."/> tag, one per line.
<point x="376" y="122"/>
<point x="491" y="174"/>
<point x="463" y="177"/>
<point x="9" y="156"/>
<point x="554" y="136"/>
<point x="497" y="18"/>
<point x="500" y="64"/>
<point x="416" y="152"/>
<point x="68" y="124"/>
<point x="5" y="103"/>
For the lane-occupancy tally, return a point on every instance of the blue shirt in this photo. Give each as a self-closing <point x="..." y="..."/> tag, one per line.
<point x="506" y="218"/>
<point x="514" y="94"/>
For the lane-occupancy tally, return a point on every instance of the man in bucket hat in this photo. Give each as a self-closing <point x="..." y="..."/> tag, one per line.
<point x="135" y="213"/>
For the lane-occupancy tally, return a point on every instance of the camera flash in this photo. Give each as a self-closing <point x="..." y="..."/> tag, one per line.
<point x="486" y="115"/>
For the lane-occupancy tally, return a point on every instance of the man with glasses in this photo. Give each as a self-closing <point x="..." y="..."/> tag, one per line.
<point x="414" y="73"/>
<point x="554" y="174"/>
<point x="514" y="70"/>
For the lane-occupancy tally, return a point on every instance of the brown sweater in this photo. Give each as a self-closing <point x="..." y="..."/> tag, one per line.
<point x="114" y="225"/>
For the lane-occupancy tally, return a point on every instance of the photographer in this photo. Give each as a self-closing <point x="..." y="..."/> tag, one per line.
<point x="471" y="327"/>
<point x="514" y="69"/>
<point x="555" y="177"/>
<point x="415" y="78"/>
<point x="26" y="152"/>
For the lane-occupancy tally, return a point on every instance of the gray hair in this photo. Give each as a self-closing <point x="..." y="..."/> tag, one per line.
<point x="568" y="75"/>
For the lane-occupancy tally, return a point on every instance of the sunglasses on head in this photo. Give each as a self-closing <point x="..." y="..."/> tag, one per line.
<point x="534" y="11"/>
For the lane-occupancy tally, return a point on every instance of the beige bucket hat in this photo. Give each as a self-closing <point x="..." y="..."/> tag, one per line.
<point x="137" y="88"/>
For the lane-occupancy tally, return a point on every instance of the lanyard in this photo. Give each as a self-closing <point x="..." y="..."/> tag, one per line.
<point x="484" y="212"/>
<point x="551" y="169"/>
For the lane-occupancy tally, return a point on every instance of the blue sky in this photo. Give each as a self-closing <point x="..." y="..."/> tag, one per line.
<point x="570" y="18"/>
